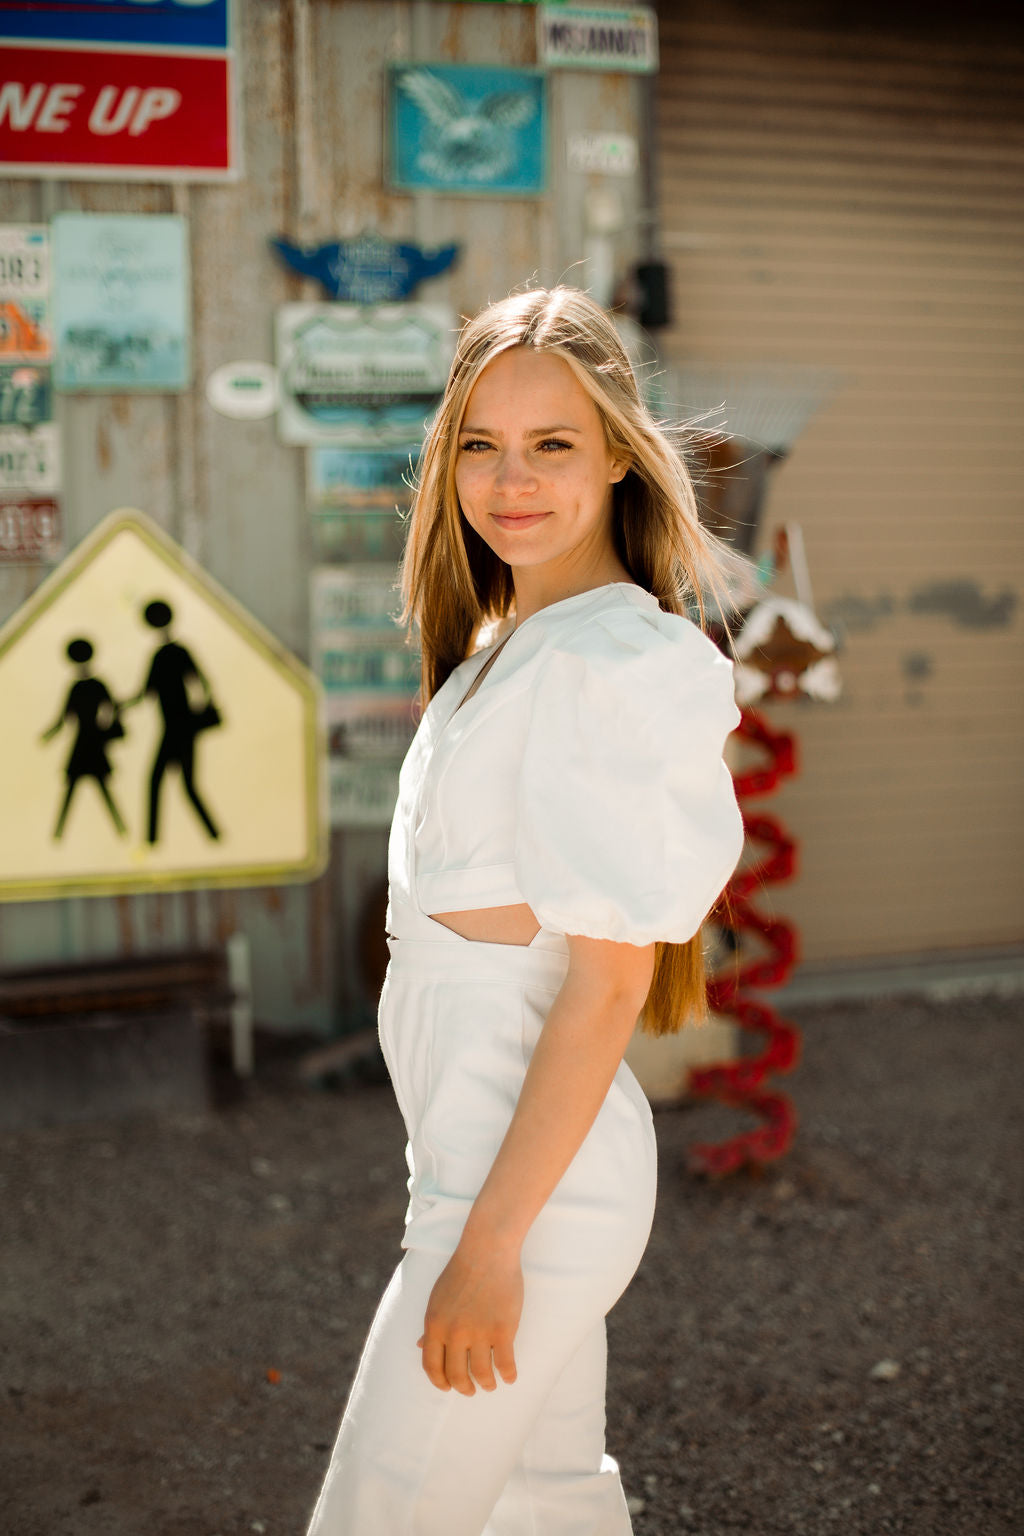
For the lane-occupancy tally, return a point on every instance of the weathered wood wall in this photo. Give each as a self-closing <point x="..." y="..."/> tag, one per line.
<point x="312" y="114"/>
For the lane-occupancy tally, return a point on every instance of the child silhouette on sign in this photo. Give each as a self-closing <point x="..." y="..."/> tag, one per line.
<point x="88" y="703"/>
<point x="187" y="708"/>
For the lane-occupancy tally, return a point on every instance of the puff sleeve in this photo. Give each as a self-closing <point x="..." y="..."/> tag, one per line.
<point x="627" y="826"/>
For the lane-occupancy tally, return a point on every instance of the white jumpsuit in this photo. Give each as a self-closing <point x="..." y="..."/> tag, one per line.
<point x="584" y="777"/>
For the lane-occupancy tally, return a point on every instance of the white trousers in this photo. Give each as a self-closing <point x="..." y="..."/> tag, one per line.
<point x="458" y="1022"/>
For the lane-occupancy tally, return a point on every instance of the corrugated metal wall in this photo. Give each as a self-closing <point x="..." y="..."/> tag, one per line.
<point x="312" y="115"/>
<point x="854" y="201"/>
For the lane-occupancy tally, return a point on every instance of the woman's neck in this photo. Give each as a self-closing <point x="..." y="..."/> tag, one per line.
<point x="537" y="587"/>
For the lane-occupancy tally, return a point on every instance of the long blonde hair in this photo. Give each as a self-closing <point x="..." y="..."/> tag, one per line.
<point x="453" y="583"/>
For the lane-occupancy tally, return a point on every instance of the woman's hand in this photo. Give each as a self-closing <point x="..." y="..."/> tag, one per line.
<point x="471" y="1322"/>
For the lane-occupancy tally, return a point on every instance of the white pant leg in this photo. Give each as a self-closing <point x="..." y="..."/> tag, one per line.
<point x="563" y="1480"/>
<point x="413" y="1461"/>
<point x="458" y="1024"/>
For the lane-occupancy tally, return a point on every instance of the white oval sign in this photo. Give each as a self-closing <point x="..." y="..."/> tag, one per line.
<point x="245" y="391"/>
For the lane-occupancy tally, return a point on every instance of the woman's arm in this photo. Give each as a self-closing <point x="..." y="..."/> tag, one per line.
<point x="48" y="735"/>
<point x="474" y="1307"/>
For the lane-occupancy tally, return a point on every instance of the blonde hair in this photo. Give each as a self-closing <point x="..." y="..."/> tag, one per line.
<point x="453" y="583"/>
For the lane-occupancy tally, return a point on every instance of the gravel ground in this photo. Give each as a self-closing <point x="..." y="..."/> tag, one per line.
<point x="833" y="1346"/>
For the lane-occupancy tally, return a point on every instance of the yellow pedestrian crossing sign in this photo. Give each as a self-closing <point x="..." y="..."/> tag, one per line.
<point x="154" y="734"/>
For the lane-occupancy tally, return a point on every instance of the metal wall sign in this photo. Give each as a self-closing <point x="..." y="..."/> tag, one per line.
<point x="361" y="377"/>
<point x="468" y="128"/>
<point x="155" y="735"/>
<point x="25" y="291"/>
<point x="30" y="459"/>
<point x="606" y="154"/>
<point x="591" y="37"/>
<point x="368" y="270"/>
<point x="196" y="24"/>
<point x="31" y="531"/>
<point x="370" y="677"/>
<point x="361" y="477"/>
<point x="139" y="90"/>
<point x="363" y="596"/>
<point x="362" y="794"/>
<point x="25" y="395"/>
<point x="355" y="663"/>
<point x="243" y="391"/>
<point x="357" y="498"/>
<point x="122" y="310"/>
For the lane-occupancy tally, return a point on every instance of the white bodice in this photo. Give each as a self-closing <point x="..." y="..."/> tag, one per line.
<point x="584" y="777"/>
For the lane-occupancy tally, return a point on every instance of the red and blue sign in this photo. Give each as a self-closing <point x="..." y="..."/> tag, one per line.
<point x="139" y="89"/>
<point x="170" y="23"/>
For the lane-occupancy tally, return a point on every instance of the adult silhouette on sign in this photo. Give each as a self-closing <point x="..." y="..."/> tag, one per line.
<point x="187" y="708"/>
<point x="90" y="705"/>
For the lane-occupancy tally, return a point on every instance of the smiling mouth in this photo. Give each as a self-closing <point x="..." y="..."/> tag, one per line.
<point x="518" y="519"/>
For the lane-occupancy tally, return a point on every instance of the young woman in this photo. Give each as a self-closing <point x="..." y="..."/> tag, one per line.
<point x="564" y="823"/>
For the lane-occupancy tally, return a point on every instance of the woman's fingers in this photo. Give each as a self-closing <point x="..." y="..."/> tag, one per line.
<point x="481" y="1367"/>
<point x="504" y="1358"/>
<point x="446" y="1362"/>
<point x="434" y="1362"/>
<point x="456" y="1366"/>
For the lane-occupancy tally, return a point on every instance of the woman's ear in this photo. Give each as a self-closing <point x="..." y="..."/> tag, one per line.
<point x="620" y="468"/>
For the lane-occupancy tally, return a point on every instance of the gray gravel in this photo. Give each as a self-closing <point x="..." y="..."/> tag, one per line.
<point x="834" y="1346"/>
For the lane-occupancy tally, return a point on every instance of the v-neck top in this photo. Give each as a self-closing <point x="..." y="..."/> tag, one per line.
<point x="583" y="777"/>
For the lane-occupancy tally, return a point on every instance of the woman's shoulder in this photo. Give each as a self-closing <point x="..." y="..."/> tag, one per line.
<point x="626" y="635"/>
<point x="628" y="827"/>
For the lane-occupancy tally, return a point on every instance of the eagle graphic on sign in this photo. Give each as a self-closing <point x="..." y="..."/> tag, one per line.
<point x="470" y="141"/>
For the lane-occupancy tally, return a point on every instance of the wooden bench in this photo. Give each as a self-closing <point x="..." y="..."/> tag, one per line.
<point x="150" y="991"/>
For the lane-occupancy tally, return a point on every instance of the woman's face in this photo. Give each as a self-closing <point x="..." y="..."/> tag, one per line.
<point x="534" y="473"/>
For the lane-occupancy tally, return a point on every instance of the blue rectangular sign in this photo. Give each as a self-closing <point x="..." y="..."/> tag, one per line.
<point x="161" y="23"/>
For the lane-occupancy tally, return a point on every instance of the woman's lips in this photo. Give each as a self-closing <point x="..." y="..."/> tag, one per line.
<point x="519" y="519"/>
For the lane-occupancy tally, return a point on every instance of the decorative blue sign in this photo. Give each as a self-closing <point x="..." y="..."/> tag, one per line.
<point x="468" y="128"/>
<point x="370" y="270"/>
<point x="161" y="23"/>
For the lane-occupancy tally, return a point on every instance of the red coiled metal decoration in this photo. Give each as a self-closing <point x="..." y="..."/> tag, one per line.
<point x="741" y="1084"/>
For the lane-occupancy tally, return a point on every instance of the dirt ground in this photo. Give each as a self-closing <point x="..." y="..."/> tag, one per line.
<point x="182" y="1301"/>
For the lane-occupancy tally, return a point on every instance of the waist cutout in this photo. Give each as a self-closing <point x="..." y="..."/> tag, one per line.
<point x="457" y="959"/>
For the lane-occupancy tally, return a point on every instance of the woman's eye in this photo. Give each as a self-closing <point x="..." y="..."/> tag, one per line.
<point x="555" y="445"/>
<point x="474" y="445"/>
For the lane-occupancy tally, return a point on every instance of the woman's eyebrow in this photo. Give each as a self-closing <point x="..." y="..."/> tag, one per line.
<point x="534" y="431"/>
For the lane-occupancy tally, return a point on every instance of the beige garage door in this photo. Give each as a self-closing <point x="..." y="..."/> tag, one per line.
<point x="853" y="206"/>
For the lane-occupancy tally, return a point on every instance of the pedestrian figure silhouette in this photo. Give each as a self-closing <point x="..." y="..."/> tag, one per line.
<point x="187" y="707"/>
<point x="88" y="703"/>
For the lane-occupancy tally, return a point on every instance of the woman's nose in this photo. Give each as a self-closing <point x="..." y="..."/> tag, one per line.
<point x="516" y="475"/>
